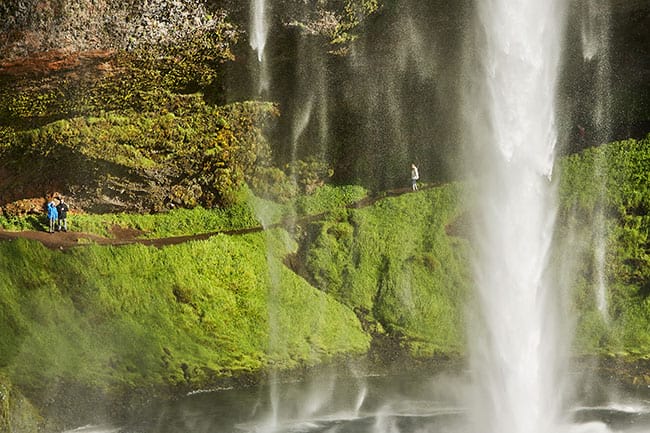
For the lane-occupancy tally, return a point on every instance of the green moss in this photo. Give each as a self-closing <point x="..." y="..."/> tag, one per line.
<point x="328" y="198"/>
<point x="147" y="79"/>
<point x="196" y="155"/>
<point x="605" y="196"/>
<point x="177" y="222"/>
<point x="396" y="261"/>
<point x="354" y="13"/>
<point x="137" y="316"/>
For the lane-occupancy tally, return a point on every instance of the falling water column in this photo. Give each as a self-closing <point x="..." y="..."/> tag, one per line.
<point x="259" y="30"/>
<point x="595" y="32"/>
<point x="515" y="344"/>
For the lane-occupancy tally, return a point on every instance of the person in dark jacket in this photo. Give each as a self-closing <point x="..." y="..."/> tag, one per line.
<point x="63" y="208"/>
<point x="52" y="215"/>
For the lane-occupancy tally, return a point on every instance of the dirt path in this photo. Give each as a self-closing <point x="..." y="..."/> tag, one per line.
<point x="58" y="240"/>
<point x="67" y="240"/>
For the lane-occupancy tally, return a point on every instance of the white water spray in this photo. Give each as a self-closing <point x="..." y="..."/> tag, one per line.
<point x="594" y="28"/>
<point x="516" y="346"/>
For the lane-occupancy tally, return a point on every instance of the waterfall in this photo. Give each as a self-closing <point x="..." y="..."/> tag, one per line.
<point x="595" y="28"/>
<point x="259" y="30"/>
<point x="595" y="37"/>
<point x="516" y="343"/>
<point x="599" y="260"/>
<point x="259" y="27"/>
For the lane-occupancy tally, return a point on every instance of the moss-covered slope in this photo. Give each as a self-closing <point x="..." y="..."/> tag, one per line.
<point x="605" y="216"/>
<point x="396" y="263"/>
<point x="183" y="315"/>
<point x="193" y="154"/>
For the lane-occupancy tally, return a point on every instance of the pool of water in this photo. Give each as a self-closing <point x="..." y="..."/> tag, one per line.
<point x="333" y="403"/>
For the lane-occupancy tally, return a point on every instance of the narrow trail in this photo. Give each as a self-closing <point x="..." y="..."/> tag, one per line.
<point x="71" y="239"/>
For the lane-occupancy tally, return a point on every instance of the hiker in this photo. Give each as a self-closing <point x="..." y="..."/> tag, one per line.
<point x="414" y="177"/>
<point x="62" y="208"/>
<point x="52" y="215"/>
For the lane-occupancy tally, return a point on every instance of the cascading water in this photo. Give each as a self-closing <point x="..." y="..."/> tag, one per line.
<point x="259" y="29"/>
<point x="515" y="347"/>
<point x="595" y="29"/>
<point x="600" y="255"/>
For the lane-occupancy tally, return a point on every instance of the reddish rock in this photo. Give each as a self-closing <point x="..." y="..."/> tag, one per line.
<point x="56" y="61"/>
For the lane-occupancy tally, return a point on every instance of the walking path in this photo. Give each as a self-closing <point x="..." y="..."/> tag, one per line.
<point x="70" y="239"/>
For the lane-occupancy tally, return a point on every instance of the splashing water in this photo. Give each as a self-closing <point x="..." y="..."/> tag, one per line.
<point x="516" y="351"/>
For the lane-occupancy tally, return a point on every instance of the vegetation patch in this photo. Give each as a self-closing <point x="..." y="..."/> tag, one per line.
<point x="141" y="162"/>
<point x="395" y="263"/>
<point x="609" y="188"/>
<point x="185" y="315"/>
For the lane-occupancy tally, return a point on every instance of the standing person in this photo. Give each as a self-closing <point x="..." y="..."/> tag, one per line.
<point x="52" y="215"/>
<point x="414" y="177"/>
<point x="62" y="208"/>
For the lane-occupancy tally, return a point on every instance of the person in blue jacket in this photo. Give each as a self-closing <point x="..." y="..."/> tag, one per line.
<point x="52" y="215"/>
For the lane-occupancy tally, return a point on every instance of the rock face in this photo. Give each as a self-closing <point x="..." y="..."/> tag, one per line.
<point x="29" y="27"/>
<point x="129" y="65"/>
<point x="36" y="26"/>
<point x="606" y="77"/>
<point x="17" y="414"/>
<point x="54" y="61"/>
<point x="150" y="75"/>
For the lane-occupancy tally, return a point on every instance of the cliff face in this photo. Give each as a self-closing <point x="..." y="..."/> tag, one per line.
<point x="67" y="61"/>
<point x="122" y="105"/>
<point x="604" y="85"/>
<point x="35" y="26"/>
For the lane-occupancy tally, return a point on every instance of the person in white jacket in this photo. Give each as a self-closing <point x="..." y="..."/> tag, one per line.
<point x="414" y="177"/>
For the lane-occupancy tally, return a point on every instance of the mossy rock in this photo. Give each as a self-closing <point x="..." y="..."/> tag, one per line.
<point x="138" y="162"/>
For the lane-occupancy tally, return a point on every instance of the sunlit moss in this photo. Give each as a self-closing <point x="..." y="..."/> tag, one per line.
<point x="610" y="184"/>
<point x="141" y="316"/>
